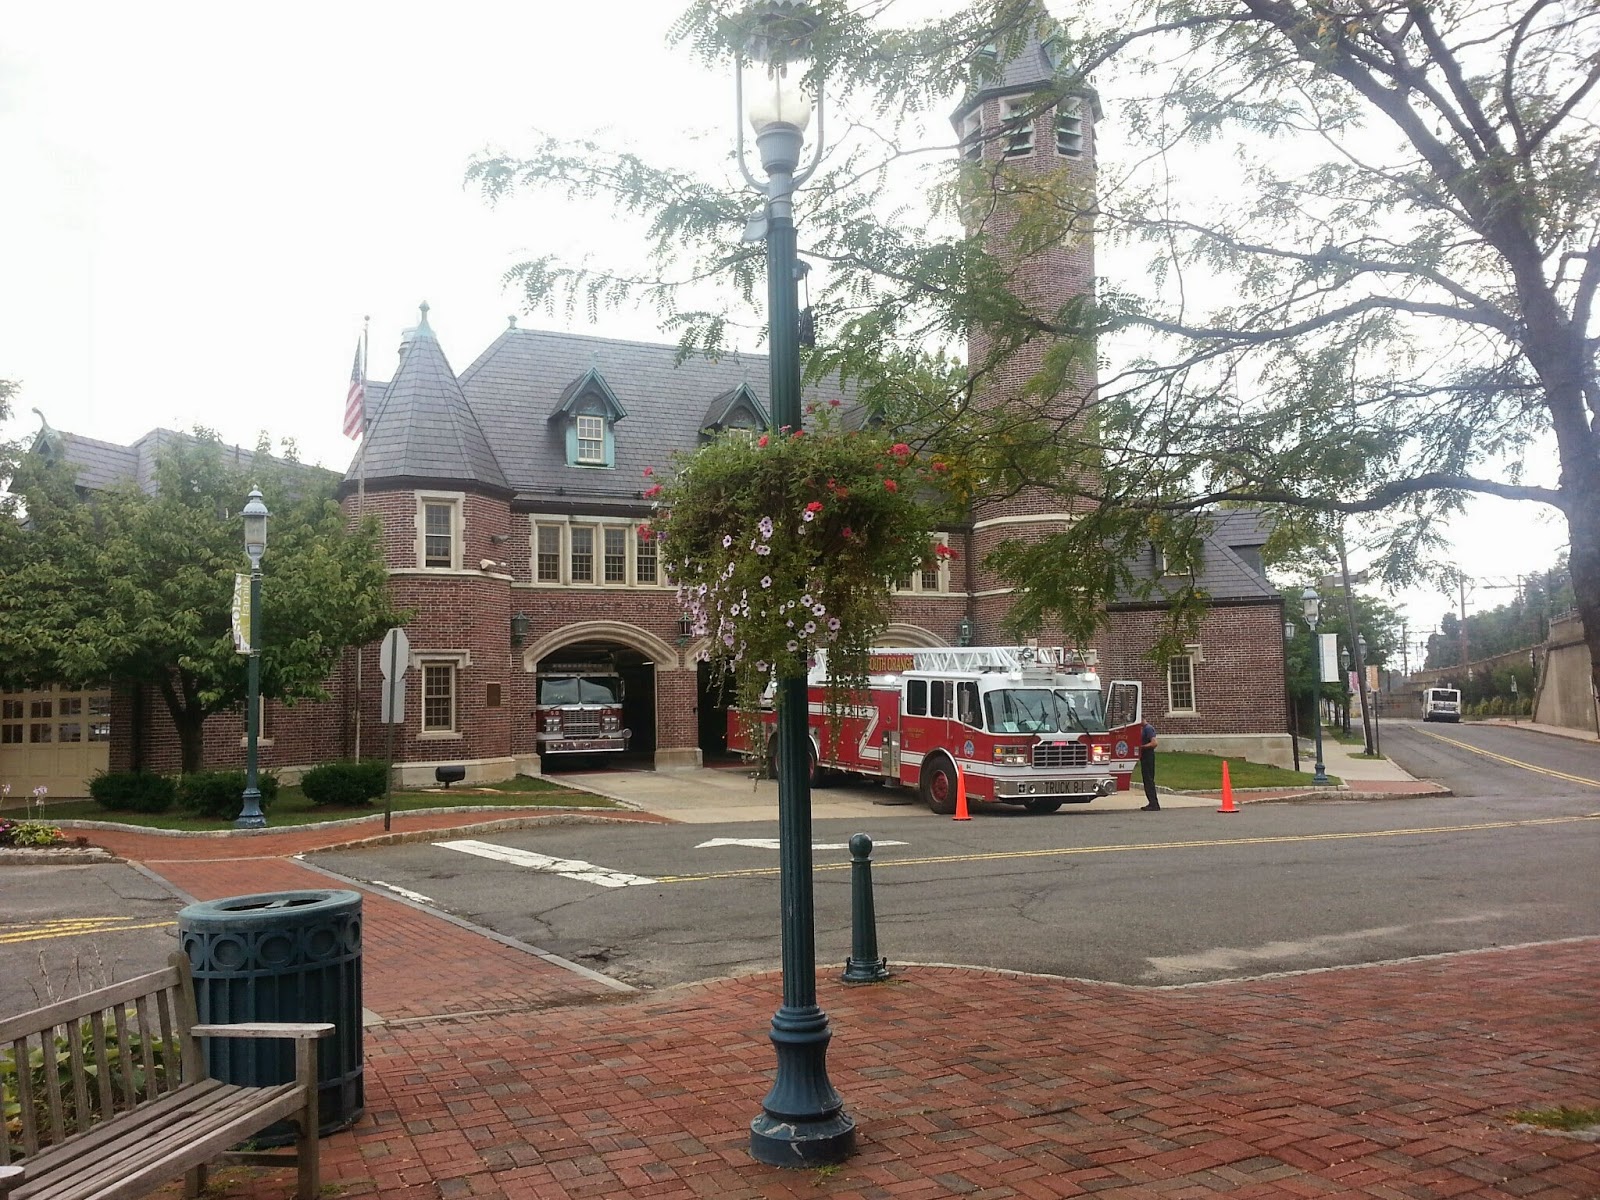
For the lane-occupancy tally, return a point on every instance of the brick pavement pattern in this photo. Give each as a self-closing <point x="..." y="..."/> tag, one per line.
<point x="501" y="1075"/>
<point x="1389" y="1081"/>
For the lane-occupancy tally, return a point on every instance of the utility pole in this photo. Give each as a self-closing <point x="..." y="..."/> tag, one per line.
<point x="1405" y="649"/>
<point x="1355" y="646"/>
<point x="1461" y="583"/>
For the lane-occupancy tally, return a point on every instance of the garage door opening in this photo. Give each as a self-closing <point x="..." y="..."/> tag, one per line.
<point x="595" y="708"/>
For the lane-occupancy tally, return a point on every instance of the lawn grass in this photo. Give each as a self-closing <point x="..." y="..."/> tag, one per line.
<point x="1185" y="771"/>
<point x="292" y="808"/>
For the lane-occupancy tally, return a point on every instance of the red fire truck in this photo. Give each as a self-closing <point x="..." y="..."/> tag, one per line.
<point x="1028" y="726"/>
<point x="578" y="710"/>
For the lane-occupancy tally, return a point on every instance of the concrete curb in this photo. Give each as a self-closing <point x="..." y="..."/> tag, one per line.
<point x="75" y="856"/>
<point x="121" y="827"/>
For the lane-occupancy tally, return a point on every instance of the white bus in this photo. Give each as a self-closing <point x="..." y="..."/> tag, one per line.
<point x="1441" y="704"/>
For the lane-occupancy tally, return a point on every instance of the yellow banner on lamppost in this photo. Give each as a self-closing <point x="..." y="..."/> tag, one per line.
<point x="241" y="612"/>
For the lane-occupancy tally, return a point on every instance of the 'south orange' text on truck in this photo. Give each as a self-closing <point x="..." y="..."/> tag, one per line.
<point x="1028" y="727"/>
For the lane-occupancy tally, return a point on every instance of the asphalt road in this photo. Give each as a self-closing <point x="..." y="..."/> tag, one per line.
<point x="1151" y="898"/>
<point x="1182" y="896"/>
<point x="71" y="929"/>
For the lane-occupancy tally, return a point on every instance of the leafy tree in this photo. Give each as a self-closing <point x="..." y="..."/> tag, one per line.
<point x="1383" y="304"/>
<point x="137" y="587"/>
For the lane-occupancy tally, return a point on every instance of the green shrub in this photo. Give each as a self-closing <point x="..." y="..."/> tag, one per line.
<point x="30" y="834"/>
<point x="345" y="784"/>
<point x="220" y="794"/>
<point x="133" y="791"/>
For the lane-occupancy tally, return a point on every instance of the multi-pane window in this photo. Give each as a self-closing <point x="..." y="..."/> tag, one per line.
<point x="438" y="697"/>
<point x="1019" y="129"/>
<point x="615" y="563"/>
<point x="55" y="717"/>
<point x="547" y="557"/>
<point x="644" y="559"/>
<point x="10" y="721"/>
<point x="1069" y="127"/>
<point x="1180" y="684"/>
<point x="934" y="575"/>
<point x="594" y="551"/>
<point x="438" y="534"/>
<point x="582" y="557"/>
<point x="591" y="439"/>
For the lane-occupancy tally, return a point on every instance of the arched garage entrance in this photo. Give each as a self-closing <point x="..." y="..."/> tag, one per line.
<point x="608" y="655"/>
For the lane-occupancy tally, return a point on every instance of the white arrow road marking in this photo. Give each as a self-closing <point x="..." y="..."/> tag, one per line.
<point x="414" y="897"/>
<point x="567" y="868"/>
<point x="772" y="844"/>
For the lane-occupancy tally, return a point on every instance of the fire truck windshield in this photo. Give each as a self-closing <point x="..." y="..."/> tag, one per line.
<point x="575" y="690"/>
<point x="1041" y="710"/>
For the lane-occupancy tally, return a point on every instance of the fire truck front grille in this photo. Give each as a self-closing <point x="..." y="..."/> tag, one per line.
<point x="580" y="724"/>
<point x="1061" y="754"/>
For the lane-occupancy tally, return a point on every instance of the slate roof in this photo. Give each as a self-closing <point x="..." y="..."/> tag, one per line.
<point x="99" y="465"/>
<point x="516" y="384"/>
<point x="1228" y="566"/>
<point x="1031" y="68"/>
<point x="422" y="428"/>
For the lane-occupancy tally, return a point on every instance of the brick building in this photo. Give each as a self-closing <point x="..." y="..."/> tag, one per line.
<point x="510" y="497"/>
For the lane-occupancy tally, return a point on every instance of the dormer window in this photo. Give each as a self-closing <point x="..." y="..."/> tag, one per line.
<point x="735" y="411"/>
<point x="591" y="440"/>
<point x="589" y="410"/>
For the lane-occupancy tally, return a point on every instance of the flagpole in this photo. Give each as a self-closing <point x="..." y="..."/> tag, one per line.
<point x="361" y="498"/>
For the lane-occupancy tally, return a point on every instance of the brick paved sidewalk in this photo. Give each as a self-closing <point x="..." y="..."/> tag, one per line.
<point x="499" y="1075"/>
<point x="1389" y="1081"/>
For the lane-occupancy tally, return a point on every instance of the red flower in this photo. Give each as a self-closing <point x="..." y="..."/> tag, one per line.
<point x="645" y="533"/>
<point x="814" y="507"/>
<point x="943" y="551"/>
<point x="847" y="532"/>
<point x="810" y="408"/>
<point x="649" y="471"/>
<point x="653" y="490"/>
<point x="762" y="440"/>
<point x="799" y="433"/>
<point x="835" y="403"/>
<point x="891" y="485"/>
<point x="939" y="465"/>
<point x="900" y="450"/>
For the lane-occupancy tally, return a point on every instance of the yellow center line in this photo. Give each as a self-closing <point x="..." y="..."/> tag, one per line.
<point x="1514" y="762"/>
<point x="64" y="930"/>
<point x="1064" y="851"/>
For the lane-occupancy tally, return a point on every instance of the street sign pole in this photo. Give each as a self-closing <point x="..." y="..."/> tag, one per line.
<point x="393" y="659"/>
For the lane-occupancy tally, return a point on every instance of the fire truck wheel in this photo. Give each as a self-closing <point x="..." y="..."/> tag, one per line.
<point x="939" y="785"/>
<point x="1043" y="806"/>
<point x="814" y="777"/>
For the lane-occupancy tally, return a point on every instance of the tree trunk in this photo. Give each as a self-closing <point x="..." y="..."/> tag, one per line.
<point x="1583" y="525"/>
<point x="188" y="719"/>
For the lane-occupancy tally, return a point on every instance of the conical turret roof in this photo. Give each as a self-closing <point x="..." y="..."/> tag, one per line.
<point x="423" y="429"/>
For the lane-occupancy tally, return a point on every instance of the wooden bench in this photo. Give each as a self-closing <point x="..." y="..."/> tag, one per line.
<point x="124" y="1101"/>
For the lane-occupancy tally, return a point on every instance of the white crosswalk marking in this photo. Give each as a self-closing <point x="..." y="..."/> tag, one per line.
<point x="567" y="868"/>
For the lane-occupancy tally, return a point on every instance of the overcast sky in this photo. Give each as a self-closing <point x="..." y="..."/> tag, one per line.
<point x="200" y="202"/>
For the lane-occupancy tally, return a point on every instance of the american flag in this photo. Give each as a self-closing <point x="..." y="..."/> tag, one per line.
<point x="355" y="400"/>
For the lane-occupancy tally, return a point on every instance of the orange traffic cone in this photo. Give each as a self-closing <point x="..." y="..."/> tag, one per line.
<point x="961" y="796"/>
<point x="1227" y="791"/>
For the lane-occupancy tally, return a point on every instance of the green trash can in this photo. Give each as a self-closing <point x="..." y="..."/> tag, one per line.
<point x="282" y="956"/>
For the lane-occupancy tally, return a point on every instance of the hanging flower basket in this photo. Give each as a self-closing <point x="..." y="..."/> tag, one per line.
<point x="789" y="543"/>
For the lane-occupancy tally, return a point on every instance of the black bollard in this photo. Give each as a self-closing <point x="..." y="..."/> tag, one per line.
<point x="864" y="965"/>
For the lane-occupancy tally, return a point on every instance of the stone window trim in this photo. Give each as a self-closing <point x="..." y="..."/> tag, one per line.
<point x="453" y="661"/>
<point x="457" y="502"/>
<point x="1069" y="127"/>
<point x="1182" y="697"/>
<point x="1018" y="123"/>
<point x="919" y="583"/>
<point x="555" y="534"/>
<point x="972" y="136"/>
<point x="263" y="738"/>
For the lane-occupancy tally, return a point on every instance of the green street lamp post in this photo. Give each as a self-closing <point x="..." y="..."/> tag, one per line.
<point x="255" y="545"/>
<point x="1313" y="609"/>
<point x="802" y="1121"/>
